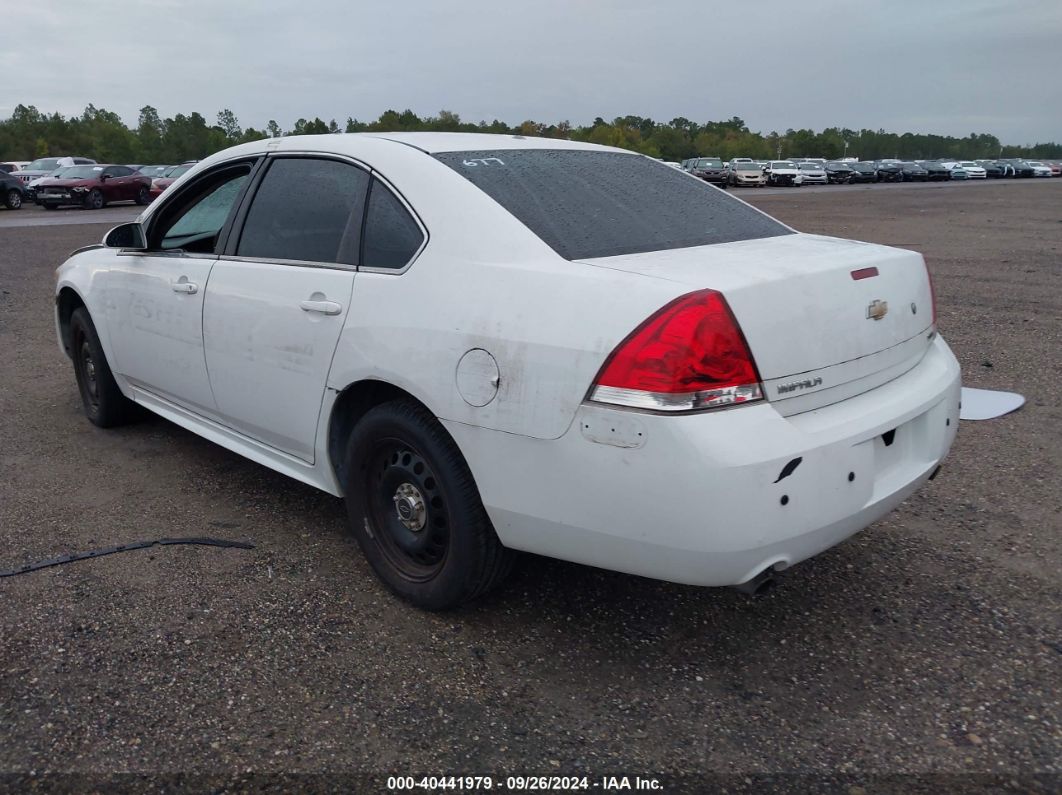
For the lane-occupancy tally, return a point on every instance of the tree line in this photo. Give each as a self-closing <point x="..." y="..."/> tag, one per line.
<point x="102" y="135"/>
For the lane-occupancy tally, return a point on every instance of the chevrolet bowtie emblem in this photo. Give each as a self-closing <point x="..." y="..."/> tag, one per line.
<point x="877" y="309"/>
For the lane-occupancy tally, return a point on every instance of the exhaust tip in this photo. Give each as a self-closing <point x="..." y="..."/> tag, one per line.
<point x="760" y="585"/>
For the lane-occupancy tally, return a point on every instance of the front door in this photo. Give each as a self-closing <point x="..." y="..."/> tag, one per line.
<point x="155" y="297"/>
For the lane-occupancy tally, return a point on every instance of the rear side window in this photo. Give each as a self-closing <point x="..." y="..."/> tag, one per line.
<point x="392" y="236"/>
<point x="587" y="204"/>
<point x="306" y="209"/>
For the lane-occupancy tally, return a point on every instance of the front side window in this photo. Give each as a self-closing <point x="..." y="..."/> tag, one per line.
<point x="193" y="219"/>
<point x="306" y="209"/>
<point x="392" y="236"/>
<point x="586" y="204"/>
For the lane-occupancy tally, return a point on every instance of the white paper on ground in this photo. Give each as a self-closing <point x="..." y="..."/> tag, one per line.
<point x="987" y="404"/>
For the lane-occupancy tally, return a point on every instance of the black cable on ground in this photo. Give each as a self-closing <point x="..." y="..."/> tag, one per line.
<point x="99" y="553"/>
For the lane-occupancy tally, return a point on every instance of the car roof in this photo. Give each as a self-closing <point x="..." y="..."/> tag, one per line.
<point x="384" y="148"/>
<point x="433" y="142"/>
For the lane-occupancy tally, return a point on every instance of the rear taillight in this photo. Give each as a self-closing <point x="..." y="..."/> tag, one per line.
<point x="689" y="355"/>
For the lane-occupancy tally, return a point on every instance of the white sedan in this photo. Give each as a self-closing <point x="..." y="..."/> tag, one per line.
<point x="1039" y="169"/>
<point x="491" y="343"/>
<point x="973" y="170"/>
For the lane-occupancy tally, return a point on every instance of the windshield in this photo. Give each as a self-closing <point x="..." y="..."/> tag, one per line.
<point x="1034" y="163"/>
<point x="175" y="171"/>
<point x="747" y="167"/>
<point x="81" y="172"/>
<point x="44" y="164"/>
<point x="809" y="166"/>
<point x="586" y="204"/>
<point x="781" y="164"/>
<point x="708" y="162"/>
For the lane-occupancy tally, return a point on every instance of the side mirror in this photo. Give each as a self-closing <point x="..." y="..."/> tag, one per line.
<point x="127" y="236"/>
<point x="104" y="177"/>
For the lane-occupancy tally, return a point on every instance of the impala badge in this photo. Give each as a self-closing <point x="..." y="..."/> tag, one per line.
<point x="877" y="309"/>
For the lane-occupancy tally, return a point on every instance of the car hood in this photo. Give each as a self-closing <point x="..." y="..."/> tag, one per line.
<point x="69" y="183"/>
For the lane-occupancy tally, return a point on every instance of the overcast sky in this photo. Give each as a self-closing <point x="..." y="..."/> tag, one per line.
<point x="943" y="66"/>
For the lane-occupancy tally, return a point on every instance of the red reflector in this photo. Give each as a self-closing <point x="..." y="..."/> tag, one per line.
<point x="864" y="273"/>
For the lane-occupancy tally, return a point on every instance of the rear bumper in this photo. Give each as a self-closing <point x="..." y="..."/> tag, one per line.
<point x="697" y="499"/>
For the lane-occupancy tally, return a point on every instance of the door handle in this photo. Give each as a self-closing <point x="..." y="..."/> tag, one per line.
<point x="184" y="286"/>
<point x="324" y="307"/>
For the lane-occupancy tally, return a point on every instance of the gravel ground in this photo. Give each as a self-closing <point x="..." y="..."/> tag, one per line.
<point x="924" y="654"/>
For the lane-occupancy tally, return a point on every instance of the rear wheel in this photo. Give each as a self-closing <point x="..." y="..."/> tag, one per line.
<point x="13" y="199"/>
<point x="416" y="512"/>
<point x="103" y="401"/>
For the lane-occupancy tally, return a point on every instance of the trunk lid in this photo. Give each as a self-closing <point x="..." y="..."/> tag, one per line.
<point x="817" y="333"/>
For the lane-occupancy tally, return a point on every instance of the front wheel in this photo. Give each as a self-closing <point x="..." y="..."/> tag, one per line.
<point x="416" y="512"/>
<point x="143" y="196"/>
<point x="94" y="200"/>
<point x="103" y="401"/>
<point x="13" y="199"/>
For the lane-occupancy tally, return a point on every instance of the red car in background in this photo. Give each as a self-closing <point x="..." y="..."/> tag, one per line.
<point x="159" y="184"/>
<point x="92" y="187"/>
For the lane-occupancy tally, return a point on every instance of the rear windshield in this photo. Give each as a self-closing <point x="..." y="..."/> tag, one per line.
<point x="587" y="204"/>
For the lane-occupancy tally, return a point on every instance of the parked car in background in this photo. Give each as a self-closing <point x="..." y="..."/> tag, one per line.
<point x="838" y="173"/>
<point x="31" y="187"/>
<point x="679" y="341"/>
<point x="936" y="171"/>
<point x="912" y="172"/>
<point x="973" y="170"/>
<point x="888" y="170"/>
<point x="993" y="170"/>
<point x="783" y="172"/>
<point x="45" y="166"/>
<point x="1056" y="168"/>
<point x="813" y="173"/>
<point x="958" y="172"/>
<point x="169" y="176"/>
<point x="1019" y="168"/>
<point x="93" y="187"/>
<point x="710" y="169"/>
<point x="9" y="166"/>
<point x="746" y="173"/>
<point x="862" y="171"/>
<point x="12" y="191"/>
<point x="1039" y="169"/>
<point x="153" y="172"/>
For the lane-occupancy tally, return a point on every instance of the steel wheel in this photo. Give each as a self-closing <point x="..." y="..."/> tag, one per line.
<point x="85" y="369"/>
<point x="103" y="401"/>
<point x="415" y="510"/>
<point x="94" y="201"/>
<point x="407" y="510"/>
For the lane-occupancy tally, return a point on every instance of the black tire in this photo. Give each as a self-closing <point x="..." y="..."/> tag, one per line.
<point x="416" y="512"/>
<point x="103" y="401"/>
<point x="143" y="196"/>
<point x="13" y="199"/>
<point x="94" y="200"/>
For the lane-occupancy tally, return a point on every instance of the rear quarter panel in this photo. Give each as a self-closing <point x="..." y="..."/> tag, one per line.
<point x="485" y="281"/>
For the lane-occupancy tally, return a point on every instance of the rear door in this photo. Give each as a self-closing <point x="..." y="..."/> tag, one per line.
<point x="278" y="298"/>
